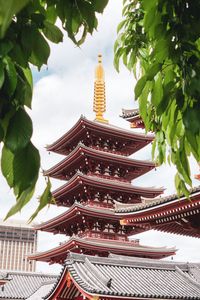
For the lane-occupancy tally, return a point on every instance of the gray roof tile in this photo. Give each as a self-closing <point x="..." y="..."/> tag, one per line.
<point x="133" y="277"/>
<point x="21" y="285"/>
<point x="43" y="290"/>
<point x="128" y="208"/>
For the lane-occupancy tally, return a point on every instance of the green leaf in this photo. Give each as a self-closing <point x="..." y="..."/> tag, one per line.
<point x="161" y="50"/>
<point x="11" y="76"/>
<point x="1" y="133"/>
<point x="40" y="51"/>
<point x="184" y="189"/>
<point x="52" y="32"/>
<point x="121" y="25"/>
<point x="26" y="165"/>
<point x="25" y="90"/>
<point x="149" y="18"/>
<point x="192" y="140"/>
<point x="157" y="93"/>
<point x="185" y="166"/>
<point x="177" y="183"/>
<point x="46" y="198"/>
<point x="28" y="92"/>
<point x="153" y="70"/>
<point x="27" y="40"/>
<point x="51" y="14"/>
<point x="87" y="12"/>
<point x="117" y="57"/>
<point x="132" y="61"/>
<point x="99" y="6"/>
<point x="24" y="198"/>
<point x="140" y="86"/>
<point x="191" y="119"/>
<point x="2" y="76"/>
<point x="148" y="4"/>
<point x="8" y="9"/>
<point x="5" y="47"/>
<point x="153" y="149"/>
<point x="143" y="105"/>
<point x="18" y="56"/>
<point x="28" y="75"/>
<point x="181" y="187"/>
<point x="76" y="22"/>
<point x="7" y="165"/>
<point x="19" y="131"/>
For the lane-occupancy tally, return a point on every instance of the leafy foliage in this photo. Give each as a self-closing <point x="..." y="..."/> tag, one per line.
<point x="160" y="41"/>
<point x="26" y="27"/>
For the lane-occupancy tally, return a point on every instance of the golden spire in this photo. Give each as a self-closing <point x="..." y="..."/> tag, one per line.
<point x="99" y="106"/>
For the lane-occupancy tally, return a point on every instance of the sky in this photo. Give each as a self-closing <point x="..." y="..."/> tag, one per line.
<point x="62" y="92"/>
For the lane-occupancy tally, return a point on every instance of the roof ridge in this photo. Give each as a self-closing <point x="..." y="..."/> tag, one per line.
<point x="153" y="203"/>
<point x="130" y="260"/>
<point x="193" y="274"/>
<point x="188" y="277"/>
<point x="30" y="273"/>
<point x="96" y="273"/>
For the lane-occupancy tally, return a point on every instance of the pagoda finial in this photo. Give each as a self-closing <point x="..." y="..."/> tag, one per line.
<point x="99" y="106"/>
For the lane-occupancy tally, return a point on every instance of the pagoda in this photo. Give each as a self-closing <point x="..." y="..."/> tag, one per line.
<point x="98" y="172"/>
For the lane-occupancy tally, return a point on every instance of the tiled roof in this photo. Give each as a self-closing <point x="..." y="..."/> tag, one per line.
<point x="43" y="290"/>
<point x="127" y="113"/>
<point x="58" y="168"/>
<point x="21" y="285"/>
<point x="3" y="275"/>
<point x="106" y="183"/>
<point x="126" y="208"/>
<point x="119" y="276"/>
<point x="102" y="246"/>
<point x="107" y="129"/>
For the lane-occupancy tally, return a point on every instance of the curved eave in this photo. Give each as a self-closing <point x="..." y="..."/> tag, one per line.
<point x="163" y="205"/>
<point x="59" y="254"/>
<point x="98" y="127"/>
<point x="167" y="216"/>
<point x="77" y="209"/>
<point x="127" y="113"/>
<point x="82" y="151"/>
<point x="80" y="180"/>
<point x="67" y="136"/>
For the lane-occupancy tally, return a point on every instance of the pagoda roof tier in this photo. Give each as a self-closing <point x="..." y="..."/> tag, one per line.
<point x="83" y="156"/>
<point x="170" y="214"/>
<point x="100" y="247"/>
<point x="120" y="277"/>
<point x="66" y="194"/>
<point x="79" y="215"/>
<point x="133" y="116"/>
<point x="90" y="132"/>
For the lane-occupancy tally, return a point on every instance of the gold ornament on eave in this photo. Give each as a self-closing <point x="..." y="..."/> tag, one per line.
<point x="99" y="105"/>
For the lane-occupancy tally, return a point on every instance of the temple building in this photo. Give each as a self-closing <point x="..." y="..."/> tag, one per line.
<point x="132" y="116"/>
<point x="119" y="277"/>
<point x="171" y="214"/>
<point x="98" y="171"/>
<point x="100" y="260"/>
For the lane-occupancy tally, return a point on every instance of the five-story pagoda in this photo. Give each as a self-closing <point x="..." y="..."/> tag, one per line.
<point x="98" y="171"/>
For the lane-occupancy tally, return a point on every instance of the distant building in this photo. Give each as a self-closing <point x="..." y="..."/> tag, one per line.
<point x="26" y="285"/>
<point x="17" y="240"/>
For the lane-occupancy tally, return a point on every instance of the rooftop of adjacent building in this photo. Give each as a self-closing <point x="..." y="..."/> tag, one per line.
<point x="17" y="224"/>
<point x="124" y="277"/>
<point x="22" y="285"/>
